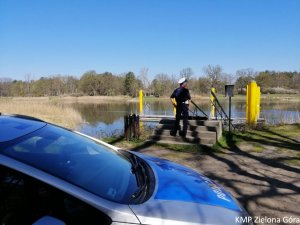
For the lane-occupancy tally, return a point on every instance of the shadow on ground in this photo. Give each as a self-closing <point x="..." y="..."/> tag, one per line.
<point x="264" y="183"/>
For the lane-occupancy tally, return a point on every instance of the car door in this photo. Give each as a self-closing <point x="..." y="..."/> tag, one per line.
<point x="24" y="200"/>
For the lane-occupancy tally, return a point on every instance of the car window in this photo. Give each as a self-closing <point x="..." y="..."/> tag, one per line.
<point x="24" y="200"/>
<point x="78" y="160"/>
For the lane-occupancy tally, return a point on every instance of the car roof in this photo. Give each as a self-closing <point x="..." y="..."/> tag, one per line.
<point x="14" y="126"/>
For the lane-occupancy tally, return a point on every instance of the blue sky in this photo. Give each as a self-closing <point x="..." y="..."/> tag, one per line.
<point x="70" y="37"/>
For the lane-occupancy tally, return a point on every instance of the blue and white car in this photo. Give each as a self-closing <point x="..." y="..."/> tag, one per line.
<point x="53" y="176"/>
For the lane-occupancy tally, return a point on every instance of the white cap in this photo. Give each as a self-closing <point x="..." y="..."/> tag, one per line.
<point x="182" y="80"/>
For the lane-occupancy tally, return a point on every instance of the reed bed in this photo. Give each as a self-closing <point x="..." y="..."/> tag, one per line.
<point x="42" y="108"/>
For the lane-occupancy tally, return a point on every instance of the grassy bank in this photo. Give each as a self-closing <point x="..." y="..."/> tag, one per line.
<point x="43" y="108"/>
<point x="280" y="142"/>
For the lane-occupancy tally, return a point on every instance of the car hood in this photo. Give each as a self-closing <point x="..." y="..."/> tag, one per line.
<point x="180" y="189"/>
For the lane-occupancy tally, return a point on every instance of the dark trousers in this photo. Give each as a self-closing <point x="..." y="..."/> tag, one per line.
<point x="181" y="110"/>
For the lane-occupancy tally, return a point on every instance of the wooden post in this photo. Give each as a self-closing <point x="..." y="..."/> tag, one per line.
<point x="137" y="126"/>
<point x="131" y="126"/>
<point x="126" y="127"/>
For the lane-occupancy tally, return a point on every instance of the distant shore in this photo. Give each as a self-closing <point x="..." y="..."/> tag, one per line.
<point x="58" y="109"/>
<point x="105" y="99"/>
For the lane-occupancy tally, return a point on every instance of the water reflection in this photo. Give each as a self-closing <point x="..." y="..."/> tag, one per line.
<point x="106" y="119"/>
<point x="106" y="113"/>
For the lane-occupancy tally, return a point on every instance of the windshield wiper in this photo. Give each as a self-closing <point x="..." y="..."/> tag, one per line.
<point x="142" y="189"/>
<point x="141" y="176"/>
<point x="139" y="170"/>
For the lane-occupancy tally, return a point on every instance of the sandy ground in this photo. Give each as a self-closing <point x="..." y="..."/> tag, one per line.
<point x="263" y="184"/>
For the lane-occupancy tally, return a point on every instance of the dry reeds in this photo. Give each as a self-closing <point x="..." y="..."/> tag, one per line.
<point x="42" y="108"/>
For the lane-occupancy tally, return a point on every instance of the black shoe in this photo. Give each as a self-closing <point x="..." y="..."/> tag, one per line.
<point x="182" y="134"/>
<point x="172" y="133"/>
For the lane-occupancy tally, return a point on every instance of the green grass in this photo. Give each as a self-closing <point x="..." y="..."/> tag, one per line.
<point x="283" y="140"/>
<point x="121" y="142"/>
<point x="257" y="148"/>
<point x="293" y="162"/>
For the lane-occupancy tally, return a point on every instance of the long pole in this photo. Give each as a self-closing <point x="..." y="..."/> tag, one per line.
<point x="141" y="102"/>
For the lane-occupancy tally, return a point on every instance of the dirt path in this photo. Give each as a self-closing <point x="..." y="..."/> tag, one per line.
<point x="266" y="186"/>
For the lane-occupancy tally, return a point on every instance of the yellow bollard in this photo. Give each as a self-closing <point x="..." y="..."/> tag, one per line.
<point x="212" y="99"/>
<point x="141" y="102"/>
<point x="141" y="110"/>
<point x="247" y="104"/>
<point x="174" y="111"/>
<point x="258" y="103"/>
<point x="252" y="103"/>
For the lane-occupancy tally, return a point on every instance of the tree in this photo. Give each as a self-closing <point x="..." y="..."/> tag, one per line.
<point x="57" y="85"/>
<point x="5" y="86"/>
<point x="71" y="84"/>
<point x="214" y="73"/>
<point x="87" y="83"/>
<point x="144" y="77"/>
<point x="187" y="73"/>
<point x="295" y="80"/>
<point x="130" y="84"/>
<point x="264" y="80"/>
<point x="41" y="87"/>
<point x="162" y="84"/>
<point x="203" y="85"/>
<point x="108" y="84"/>
<point x="242" y="82"/>
<point x="28" y="82"/>
<point x="244" y="77"/>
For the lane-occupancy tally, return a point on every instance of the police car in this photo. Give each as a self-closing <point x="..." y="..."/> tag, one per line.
<point x="52" y="175"/>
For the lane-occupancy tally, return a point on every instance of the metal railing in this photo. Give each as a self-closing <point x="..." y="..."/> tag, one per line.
<point x="220" y="112"/>
<point x="197" y="109"/>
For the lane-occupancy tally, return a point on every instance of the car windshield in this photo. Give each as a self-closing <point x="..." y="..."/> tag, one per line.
<point x="78" y="160"/>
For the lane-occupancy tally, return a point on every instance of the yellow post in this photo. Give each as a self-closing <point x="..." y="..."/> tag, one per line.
<point x="212" y="99"/>
<point x="175" y="108"/>
<point x="247" y="104"/>
<point x="141" y="110"/>
<point x="141" y="102"/>
<point x="252" y="104"/>
<point x="258" y="103"/>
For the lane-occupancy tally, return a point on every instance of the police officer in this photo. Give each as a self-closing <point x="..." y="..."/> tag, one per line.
<point x="180" y="99"/>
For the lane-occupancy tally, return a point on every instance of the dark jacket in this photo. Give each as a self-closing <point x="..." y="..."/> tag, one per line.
<point x="181" y="94"/>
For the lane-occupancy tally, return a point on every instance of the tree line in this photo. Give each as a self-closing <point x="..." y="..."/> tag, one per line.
<point x="108" y="84"/>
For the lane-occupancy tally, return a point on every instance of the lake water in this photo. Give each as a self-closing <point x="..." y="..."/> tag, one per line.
<point x="107" y="119"/>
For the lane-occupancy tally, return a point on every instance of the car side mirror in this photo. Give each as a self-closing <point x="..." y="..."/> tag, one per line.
<point x="48" y="220"/>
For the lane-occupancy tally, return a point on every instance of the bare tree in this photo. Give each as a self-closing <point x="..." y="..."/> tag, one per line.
<point x="243" y="77"/>
<point x="162" y="84"/>
<point x="214" y="74"/>
<point x="249" y="72"/>
<point x="144" y="77"/>
<point x="28" y="80"/>
<point x="187" y="73"/>
<point x="228" y="78"/>
<point x="5" y="86"/>
<point x="71" y="84"/>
